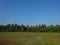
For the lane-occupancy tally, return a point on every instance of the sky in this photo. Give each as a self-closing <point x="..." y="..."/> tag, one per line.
<point x="30" y="12"/>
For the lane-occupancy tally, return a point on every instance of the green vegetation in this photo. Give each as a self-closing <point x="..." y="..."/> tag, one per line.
<point x="36" y="28"/>
<point x="13" y="34"/>
<point x="29" y="38"/>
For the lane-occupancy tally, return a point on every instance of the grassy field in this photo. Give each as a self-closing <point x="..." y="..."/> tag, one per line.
<point x="29" y="38"/>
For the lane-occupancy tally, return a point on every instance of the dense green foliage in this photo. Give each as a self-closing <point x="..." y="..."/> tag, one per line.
<point x="36" y="28"/>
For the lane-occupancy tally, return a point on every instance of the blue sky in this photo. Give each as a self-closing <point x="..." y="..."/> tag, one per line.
<point x="30" y="12"/>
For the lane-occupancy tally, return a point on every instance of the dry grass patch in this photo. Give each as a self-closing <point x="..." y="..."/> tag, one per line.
<point x="55" y="39"/>
<point x="5" y="40"/>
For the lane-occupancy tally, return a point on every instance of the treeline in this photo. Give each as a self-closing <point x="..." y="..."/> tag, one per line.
<point x="27" y="28"/>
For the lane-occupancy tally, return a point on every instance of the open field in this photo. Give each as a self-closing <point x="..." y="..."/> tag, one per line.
<point x="29" y="38"/>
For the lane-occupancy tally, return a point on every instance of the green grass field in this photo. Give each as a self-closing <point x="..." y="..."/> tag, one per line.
<point x="29" y="38"/>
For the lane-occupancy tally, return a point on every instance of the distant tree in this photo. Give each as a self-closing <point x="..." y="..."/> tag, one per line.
<point x="1" y="28"/>
<point x="28" y="28"/>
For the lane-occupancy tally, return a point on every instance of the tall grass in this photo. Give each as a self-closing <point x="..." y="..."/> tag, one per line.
<point x="29" y="38"/>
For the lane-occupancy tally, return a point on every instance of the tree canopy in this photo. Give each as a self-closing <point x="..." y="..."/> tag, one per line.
<point x="27" y="28"/>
